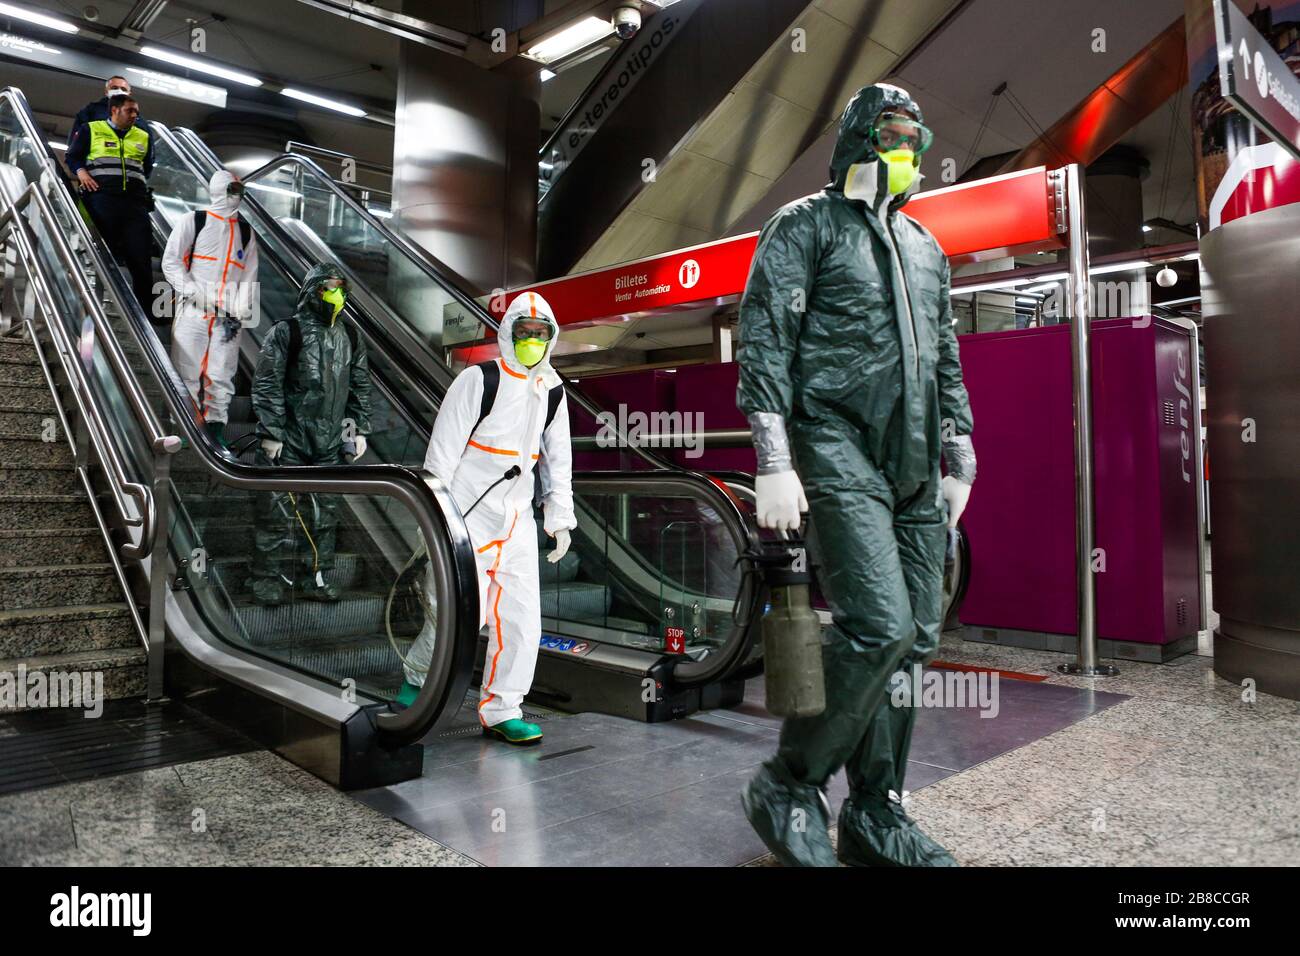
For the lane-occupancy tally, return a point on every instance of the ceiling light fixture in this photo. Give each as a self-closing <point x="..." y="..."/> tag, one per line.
<point x="322" y="101"/>
<point x="40" y="19"/>
<point x="162" y="53"/>
<point x="571" y="39"/>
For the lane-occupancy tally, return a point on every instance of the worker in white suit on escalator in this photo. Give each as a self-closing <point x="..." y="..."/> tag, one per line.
<point x="498" y="420"/>
<point x="211" y="262"/>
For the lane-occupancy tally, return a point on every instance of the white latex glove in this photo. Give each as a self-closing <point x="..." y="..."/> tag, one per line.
<point x="956" y="493"/>
<point x="360" y="443"/>
<point x="561" y="547"/>
<point x="780" y="500"/>
<point x="272" y="448"/>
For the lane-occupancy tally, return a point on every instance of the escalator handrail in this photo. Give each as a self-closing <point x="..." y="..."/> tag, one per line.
<point x="596" y="82"/>
<point x="430" y="265"/>
<point x="434" y="269"/>
<point x="686" y="672"/>
<point x="159" y="439"/>
<point x="423" y="495"/>
<point x="120" y="484"/>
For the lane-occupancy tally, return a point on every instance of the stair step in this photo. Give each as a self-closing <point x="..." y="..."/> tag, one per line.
<point x="27" y="511"/>
<point x="34" y="453"/>
<point x="233" y="572"/>
<point x="50" y="546"/>
<point x="303" y="621"/>
<point x="369" y="661"/>
<point x="32" y="632"/>
<point x="21" y="373"/>
<point x="29" y="425"/>
<point x="18" y="351"/>
<point x="122" y="670"/>
<point x="37" y="398"/>
<point x="42" y="479"/>
<point x="58" y="585"/>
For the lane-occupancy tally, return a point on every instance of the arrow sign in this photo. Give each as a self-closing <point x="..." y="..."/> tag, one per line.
<point x="1255" y="79"/>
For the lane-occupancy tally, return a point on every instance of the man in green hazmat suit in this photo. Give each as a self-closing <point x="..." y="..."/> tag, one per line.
<point x="850" y="379"/>
<point x="311" y="395"/>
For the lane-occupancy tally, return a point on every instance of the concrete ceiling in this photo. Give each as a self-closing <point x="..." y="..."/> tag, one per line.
<point x="732" y="158"/>
<point x="1043" y="51"/>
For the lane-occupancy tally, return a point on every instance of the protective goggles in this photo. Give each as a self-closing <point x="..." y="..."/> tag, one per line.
<point x="893" y="131"/>
<point x="531" y="330"/>
<point x="330" y="285"/>
<point x="235" y="188"/>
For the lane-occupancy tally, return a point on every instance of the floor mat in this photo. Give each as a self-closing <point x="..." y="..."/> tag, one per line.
<point x="604" y="791"/>
<point x="45" y="748"/>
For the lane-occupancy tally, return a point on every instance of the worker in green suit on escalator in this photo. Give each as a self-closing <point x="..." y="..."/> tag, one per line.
<point x="311" y="396"/>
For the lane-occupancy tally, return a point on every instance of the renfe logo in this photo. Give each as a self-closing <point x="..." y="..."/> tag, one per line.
<point x="103" y="909"/>
<point x="689" y="274"/>
<point x="1184" y="406"/>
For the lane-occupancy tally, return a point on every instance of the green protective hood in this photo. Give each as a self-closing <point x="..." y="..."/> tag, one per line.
<point x="854" y="143"/>
<point x="309" y="300"/>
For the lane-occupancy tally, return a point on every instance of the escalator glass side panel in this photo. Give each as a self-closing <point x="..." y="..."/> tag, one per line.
<point x="339" y="551"/>
<point x="671" y="563"/>
<point x="292" y="192"/>
<point x="656" y="571"/>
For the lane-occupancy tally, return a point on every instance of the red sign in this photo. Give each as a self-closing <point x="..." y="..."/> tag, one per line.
<point x="1006" y="215"/>
<point x="674" y="640"/>
<point x="1014" y="214"/>
<point x="713" y="273"/>
<point x="1261" y="177"/>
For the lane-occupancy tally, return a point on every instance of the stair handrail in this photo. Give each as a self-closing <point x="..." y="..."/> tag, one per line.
<point x="120" y="484"/>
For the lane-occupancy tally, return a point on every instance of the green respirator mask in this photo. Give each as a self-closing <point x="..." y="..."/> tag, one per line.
<point x="336" y="298"/>
<point x="901" y="164"/>
<point x="530" y="351"/>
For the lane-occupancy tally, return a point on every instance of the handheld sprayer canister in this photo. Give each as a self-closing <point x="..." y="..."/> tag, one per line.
<point x="792" y="634"/>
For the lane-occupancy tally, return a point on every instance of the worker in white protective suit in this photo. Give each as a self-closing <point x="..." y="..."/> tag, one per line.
<point x="487" y="461"/>
<point x="211" y="262"/>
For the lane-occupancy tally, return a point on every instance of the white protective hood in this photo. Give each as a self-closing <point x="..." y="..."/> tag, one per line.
<point x="220" y="203"/>
<point x="529" y="305"/>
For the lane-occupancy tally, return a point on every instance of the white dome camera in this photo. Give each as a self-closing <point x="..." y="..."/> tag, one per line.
<point x="626" y="21"/>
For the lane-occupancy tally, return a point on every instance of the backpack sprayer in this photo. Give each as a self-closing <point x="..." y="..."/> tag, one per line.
<point x="409" y="577"/>
<point x="792" y="631"/>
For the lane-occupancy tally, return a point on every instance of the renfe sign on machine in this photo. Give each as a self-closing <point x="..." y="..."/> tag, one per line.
<point x="1255" y="79"/>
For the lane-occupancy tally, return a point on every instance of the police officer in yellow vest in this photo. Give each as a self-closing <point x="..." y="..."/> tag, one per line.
<point x="112" y="159"/>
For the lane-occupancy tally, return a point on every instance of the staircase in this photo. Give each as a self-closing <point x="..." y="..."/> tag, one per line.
<point x="61" y="607"/>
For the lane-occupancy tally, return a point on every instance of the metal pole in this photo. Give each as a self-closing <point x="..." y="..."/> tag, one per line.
<point x="1084" y="519"/>
<point x="159" y="578"/>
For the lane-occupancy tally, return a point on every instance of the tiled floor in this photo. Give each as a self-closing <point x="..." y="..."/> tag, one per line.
<point x="1184" y="772"/>
<point x="252" y="809"/>
<point x="608" y="791"/>
<point x="1181" y="772"/>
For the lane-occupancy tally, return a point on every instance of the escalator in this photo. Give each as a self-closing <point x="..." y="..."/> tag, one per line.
<point x="594" y="164"/>
<point x="312" y="681"/>
<point x="655" y="553"/>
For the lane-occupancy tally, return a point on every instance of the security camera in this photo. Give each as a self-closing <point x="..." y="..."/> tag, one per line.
<point x="627" y="21"/>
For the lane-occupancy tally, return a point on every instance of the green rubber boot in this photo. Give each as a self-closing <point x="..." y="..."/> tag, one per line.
<point x="517" y="732"/>
<point x="218" y="432"/>
<point x="406" y="696"/>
